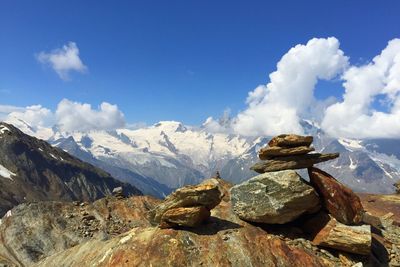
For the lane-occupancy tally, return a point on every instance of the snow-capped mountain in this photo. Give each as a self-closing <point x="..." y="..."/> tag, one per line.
<point x="167" y="155"/>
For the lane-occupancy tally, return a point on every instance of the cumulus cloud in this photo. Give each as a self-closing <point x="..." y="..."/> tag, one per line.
<point x="75" y="116"/>
<point x="35" y="115"/>
<point x="355" y="116"/>
<point x="63" y="60"/>
<point x="278" y="106"/>
<point x="5" y="110"/>
<point x="69" y="116"/>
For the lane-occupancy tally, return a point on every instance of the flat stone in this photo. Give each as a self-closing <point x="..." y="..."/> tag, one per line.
<point x="207" y="194"/>
<point x="276" y="151"/>
<point x="340" y="201"/>
<point x="274" y="198"/>
<point x="189" y="217"/>
<point x="292" y="162"/>
<point x="353" y="239"/>
<point x="290" y="140"/>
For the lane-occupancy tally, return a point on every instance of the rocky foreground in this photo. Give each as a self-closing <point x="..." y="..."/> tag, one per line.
<point x="120" y="232"/>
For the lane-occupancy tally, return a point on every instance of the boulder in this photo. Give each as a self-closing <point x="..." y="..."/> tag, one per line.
<point x="274" y="198"/>
<point x="340" y="201"/>
<point x="290" y="140"/>
<point x="207" y="194"/>
<point x="189" y="217"/>
<point x="292" y="162"/>
<point x="276" y="151"/>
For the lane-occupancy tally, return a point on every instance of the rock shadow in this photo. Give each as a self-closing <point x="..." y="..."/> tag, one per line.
<point x="212" y="226"/>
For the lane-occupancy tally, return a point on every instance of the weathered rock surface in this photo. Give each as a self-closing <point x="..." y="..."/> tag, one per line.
<point x="207" y="194"/>
<point x="292" y="162"/>
<point x="189" y="217"/>
<point x="224" y="240"/>
<point x="127" y="238"/>
<point x="340" y="201"/>
<point x="383" y="212"/>
<point x="33" y="231"/>
<point x="328" y="232"/>
<point x="382" y="205"/>
<point x="290" y="140"/>
<point x="266" y="153"/>
<point x="274" y="198"/>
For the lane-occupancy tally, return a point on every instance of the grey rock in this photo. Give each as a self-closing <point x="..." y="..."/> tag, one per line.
<point x="275" y="198"/>
<point x="292" y="162"/>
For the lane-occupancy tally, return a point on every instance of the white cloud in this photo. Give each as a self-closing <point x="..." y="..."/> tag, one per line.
<point x="355" y="115"/>
<point x="63" y="60"/>
<point x="277" y="107"/>
<point x="35" y="116"/>
<point x="5" y="110"/>
<point x="75" y="116"/>
<point x="69" y="116"/>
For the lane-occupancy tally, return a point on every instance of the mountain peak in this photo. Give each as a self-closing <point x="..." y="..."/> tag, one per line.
<point x="170" y="126"/>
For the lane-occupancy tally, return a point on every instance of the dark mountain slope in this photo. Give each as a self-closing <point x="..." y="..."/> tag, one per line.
<point x="33" y="170"/>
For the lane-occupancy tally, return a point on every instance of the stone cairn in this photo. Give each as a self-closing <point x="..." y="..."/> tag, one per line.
<point x="332" y="213"/>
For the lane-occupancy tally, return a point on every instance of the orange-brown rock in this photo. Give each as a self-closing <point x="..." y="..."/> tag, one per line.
<point x="333" y="234"/>
<point x="224" y="240"/>
<point x="290" y="140"/>
<point x="51" y="227"/>
<point x="207" y="194"/>
<point x="266" y="153"/>
<point x="292" y="162"/>
<point x="340" y="201"/>
<point x="380" y="205"/>
<point x="189" y="217"/>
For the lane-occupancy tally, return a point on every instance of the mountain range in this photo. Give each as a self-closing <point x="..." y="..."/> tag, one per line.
<point x="167" y="155"/>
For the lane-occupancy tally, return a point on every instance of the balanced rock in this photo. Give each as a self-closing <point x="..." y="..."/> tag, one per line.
<point x="207" y="194"/>
<point x="276" y="151"/>
<point x="333" y="234"/>
<point x="340" y="201"/>
<point x="274" y="198"/>
<point x="292" y="162"/>
<point x="290" y="140"/>
<point x="189" y="217"/>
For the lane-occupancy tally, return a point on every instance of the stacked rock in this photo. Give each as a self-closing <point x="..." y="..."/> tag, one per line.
<point x="188" y="206"/>
<point x="289" y="151"/>
<point x="279" y="195"/>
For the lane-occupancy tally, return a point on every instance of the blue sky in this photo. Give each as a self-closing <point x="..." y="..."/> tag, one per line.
<point x="180" y="60"/>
